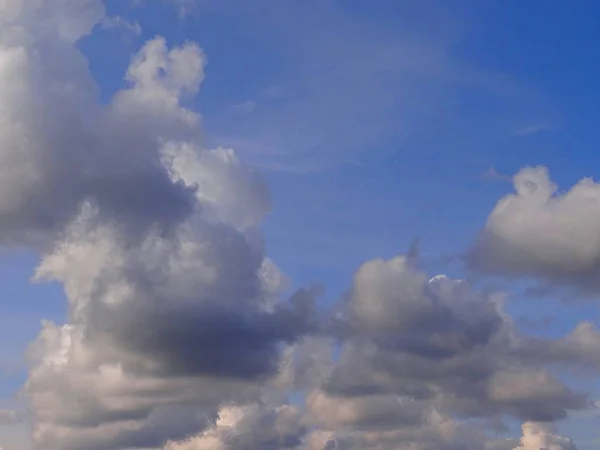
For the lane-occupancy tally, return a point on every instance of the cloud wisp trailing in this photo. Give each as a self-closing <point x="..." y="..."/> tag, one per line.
<point x="353" y="90"/>
<point x="180" y="334"/>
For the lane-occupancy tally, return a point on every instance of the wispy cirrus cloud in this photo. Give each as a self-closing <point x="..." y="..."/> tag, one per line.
<point x="348" y="87"/>
<point x="120" y="23"/>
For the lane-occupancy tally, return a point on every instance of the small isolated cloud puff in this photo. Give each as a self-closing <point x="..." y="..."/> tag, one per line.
<point x="538" y="232"/>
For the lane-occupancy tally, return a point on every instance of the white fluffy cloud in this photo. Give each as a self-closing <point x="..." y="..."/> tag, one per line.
<point x="538" y="231"/>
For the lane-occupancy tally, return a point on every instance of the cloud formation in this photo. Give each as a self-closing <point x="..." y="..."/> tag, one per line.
<point x="543" y="436"/>
<point x="173" y="308"/>
<point x="180" y="334"/>
<point x="419" y="351"/>
<point x="539" y="232"/>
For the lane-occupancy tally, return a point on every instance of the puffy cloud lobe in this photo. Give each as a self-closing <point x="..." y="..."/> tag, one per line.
<point x="226" y="190"/>
<point x="167" y="296"/>
<point x="60" y="149"/>
<point x="538" y="232"/>
<point x="538" y="436"/>
<point x="398" y="306"/>
<point x="248" y="428"/>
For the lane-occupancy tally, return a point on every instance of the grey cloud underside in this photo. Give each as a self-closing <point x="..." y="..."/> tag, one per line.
<point x="179" y="334"/>
<point x="243" y="345"/>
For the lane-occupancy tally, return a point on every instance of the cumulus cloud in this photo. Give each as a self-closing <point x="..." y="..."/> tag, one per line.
<point x="543" y="436"/>
<point x="167" y="324"/>
<point x="540" y="232"/>
<point x="577" y="350"/>
<point x="174" y="310"/>
<point x="180" y="334"/>
<point x="248" y="428"/>
<point x="418" y="353"/>
<point x="437" y="338"/>
<point x="61" y="149"/>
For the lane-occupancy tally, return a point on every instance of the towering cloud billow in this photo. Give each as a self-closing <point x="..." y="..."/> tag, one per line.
<point x="179" y="335"/>
<point x="418" y="353"/>
<point x="173" y="309"/>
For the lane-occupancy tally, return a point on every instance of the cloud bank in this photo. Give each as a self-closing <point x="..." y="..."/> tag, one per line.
<point x="180" y="335"/>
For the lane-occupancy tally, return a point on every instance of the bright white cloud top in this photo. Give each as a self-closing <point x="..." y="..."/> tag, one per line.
<point x="180" y="334"/>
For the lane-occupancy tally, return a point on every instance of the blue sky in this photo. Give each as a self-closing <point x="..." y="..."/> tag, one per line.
<point x="374" y="124"/>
